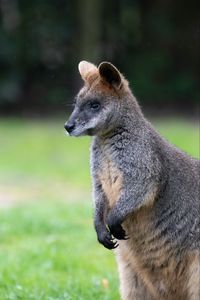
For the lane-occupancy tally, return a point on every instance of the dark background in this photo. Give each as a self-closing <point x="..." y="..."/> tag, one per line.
<point x="156" y="44"/>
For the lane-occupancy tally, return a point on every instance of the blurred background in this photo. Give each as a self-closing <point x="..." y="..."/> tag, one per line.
<point x="154" y="43"/>
<point x="46" y="227"/>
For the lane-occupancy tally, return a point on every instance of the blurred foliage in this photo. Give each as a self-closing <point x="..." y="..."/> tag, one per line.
<point x="155" y="43"/>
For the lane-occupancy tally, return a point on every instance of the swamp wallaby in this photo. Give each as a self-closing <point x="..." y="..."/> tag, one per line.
<point x="146" y="191"/>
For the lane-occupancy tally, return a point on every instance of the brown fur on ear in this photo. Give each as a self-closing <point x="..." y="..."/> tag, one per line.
<point x="87" y="70"/>
<point x="110" y="74"/>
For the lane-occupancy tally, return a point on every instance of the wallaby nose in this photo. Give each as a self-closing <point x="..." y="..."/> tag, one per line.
<point x="69" y="127"/>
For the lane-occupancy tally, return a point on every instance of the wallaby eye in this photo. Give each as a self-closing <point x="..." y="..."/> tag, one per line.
<point x="95" y="105"/>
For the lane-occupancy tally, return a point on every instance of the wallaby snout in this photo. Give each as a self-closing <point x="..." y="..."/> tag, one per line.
<point x="69" y="127"/>
<point x="72" y="123"/>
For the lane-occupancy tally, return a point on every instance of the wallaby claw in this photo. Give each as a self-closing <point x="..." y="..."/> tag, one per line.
<point x="116" y="245"/>
<point x="117" y="232"/>
<point x="107" y="240"/>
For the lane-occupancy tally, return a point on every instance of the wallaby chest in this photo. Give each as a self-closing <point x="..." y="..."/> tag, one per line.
<point x="107" y="172"/>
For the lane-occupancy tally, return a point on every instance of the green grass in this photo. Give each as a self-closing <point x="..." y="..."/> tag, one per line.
<point x="49" y="251"/>
<point x="183" y="134"/>
<point x="48" y="247"/>
<point x="41" y="149"/>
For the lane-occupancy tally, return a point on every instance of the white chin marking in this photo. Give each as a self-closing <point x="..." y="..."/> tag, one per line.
<point x="66" y="133"/>
<point x="78" y="133"/>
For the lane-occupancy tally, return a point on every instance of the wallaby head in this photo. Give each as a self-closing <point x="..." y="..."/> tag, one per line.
<point x="100" y="103"/>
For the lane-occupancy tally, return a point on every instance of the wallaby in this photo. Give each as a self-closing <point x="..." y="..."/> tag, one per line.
<point x="146" y="191"/>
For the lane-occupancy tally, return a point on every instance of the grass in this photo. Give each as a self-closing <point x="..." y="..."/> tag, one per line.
<point x="48" y="248"/>
<point x="49" y="251"/>
<point x="37" y="148"/>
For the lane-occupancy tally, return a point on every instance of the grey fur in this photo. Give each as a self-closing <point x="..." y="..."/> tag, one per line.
<point x="155" y="174"/>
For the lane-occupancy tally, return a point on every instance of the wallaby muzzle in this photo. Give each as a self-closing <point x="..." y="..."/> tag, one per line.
<point x="69" y="127"/>
<point x="71" y="124"/>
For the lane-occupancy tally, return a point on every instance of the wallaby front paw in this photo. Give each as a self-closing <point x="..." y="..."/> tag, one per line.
<point x="106" y="240"/>
<point x="116" y="230"/>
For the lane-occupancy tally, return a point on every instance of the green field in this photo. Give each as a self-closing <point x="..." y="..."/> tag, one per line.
<point x="48" y="248"/>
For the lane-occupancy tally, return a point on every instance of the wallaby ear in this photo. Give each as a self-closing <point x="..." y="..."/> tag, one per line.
<point x="85" y="69"/>
<point x="110" y="74"/>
